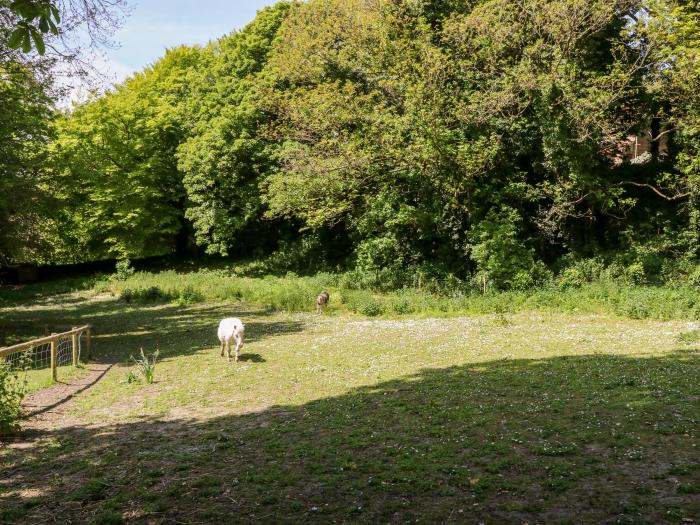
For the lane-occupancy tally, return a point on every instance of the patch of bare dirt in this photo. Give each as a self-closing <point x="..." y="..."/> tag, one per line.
<point x="47" y="408"/>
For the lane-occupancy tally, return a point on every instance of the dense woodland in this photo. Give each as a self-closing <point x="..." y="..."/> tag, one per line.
<point x="482" y="140"/>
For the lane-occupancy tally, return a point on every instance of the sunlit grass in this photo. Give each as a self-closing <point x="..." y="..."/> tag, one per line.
<point x="37" y="379"/>
<point x="296" y="294"/>
<point x="525" y="416"/>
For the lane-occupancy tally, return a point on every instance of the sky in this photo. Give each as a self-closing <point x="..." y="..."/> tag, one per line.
<point x="154" y="25"/>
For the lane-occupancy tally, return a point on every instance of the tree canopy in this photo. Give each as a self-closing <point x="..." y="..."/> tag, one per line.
<point x="470" y="137"/>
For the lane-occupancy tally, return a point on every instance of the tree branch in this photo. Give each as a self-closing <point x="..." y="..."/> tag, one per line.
<point x="672" y="198"/>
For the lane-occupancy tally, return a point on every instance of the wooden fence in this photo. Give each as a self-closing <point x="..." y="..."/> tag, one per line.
<point x="71" y="338"/>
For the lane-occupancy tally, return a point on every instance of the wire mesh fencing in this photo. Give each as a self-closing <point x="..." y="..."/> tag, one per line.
<point x="42" y="358"/>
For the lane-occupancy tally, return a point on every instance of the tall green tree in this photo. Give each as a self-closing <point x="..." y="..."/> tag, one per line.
<point x="115" y="157"/>
<point x="25" y="116"/>
<point x="227" y="153"/>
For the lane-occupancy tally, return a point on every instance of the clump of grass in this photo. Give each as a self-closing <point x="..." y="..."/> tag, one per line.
<point x="146" y="366"/>
<point x="92" y="490"/>
<point x="152" y="294"/>
<point x="693" y="336"/>
<point x="131" y="378"/>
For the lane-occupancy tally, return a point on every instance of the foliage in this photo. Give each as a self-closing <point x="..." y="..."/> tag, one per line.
<point x="292" y="293"/>
<point x="123" y="270"/>
<point x="13" y="388"/>
<point x="225" y="155"/>
<point x="482" y="142"/>
<point x="25" y="115"/>
<point x="115" y="160"/>
<point x="37" y="17"/>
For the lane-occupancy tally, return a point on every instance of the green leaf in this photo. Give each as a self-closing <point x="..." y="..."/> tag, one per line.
<point x="39" y="42"/>
<point x="44" y="24"/>
<point x="17" y="37"/>
<point x="26" y="42"/>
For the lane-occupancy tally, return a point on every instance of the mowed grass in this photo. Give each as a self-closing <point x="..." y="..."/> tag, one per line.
<point x="41" y="378"/>
<point x="530" y="417"/>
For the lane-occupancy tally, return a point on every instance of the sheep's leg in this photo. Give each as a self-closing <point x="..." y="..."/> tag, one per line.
<point x="239" y="343"/>
<point x="222" y="349"/>
<point x="228" y="350"/>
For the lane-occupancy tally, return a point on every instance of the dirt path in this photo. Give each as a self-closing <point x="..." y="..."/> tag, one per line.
<point x="45" y="408"/>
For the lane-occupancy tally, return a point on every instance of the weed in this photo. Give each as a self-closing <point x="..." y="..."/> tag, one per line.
<point x="124" y="270"/>
<point x="92" y="490"/>
<point x="131" y="378"/>
<point x="146" y="365"/>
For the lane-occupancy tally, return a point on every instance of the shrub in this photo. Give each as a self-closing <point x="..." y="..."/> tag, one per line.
<point x="151" y="294"/>
<point x="635" y="273"/>
<point x="402" y="306"/>
<point x="498" y="252"/>
<point x="364" y="303"/>
<point x="371" y="307"/>
<point x="694" y="277"/>
<point x="189" y="296"/>
<point x="124" y="270"/>
<point x="13" y="388"/>
<point x="571" y="278"/>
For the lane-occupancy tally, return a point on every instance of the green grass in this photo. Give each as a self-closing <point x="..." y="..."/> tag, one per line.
<point x="296" y="294"/>
<point x="37" y="379"/>
<point x="512" y="416"/>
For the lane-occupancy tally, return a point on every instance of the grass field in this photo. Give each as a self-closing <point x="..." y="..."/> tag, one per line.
<point x="528" y="417"/>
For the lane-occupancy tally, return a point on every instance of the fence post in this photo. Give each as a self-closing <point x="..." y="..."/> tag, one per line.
<point x="54" y="374"/>
<point x="74" y="343"/>
<point x="88" y="342"/>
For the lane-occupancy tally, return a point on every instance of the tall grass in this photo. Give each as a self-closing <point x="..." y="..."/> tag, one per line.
<point x="294" y="293"/>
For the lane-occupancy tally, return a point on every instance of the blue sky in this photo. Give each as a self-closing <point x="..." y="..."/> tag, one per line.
<point x="154" y="25"/>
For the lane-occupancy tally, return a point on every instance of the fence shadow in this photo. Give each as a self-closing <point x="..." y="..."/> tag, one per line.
<point x="39" y="404"/>
<point x="120" y="329"/>
<point x="586" y="439"/>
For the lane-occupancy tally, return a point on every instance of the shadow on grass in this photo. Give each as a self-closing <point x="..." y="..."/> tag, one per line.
<point x="121" y="329"/>
<point x="253" y="358"/>
<point x="586" y="439"/>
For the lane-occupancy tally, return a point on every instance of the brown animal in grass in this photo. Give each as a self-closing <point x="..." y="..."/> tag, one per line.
<point x="322" y="301"/>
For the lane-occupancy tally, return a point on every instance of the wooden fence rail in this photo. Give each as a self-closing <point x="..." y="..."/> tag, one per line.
<point x="53" y="339"/>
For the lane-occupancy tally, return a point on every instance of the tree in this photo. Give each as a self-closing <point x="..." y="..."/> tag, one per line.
<point x="226" y="154"/>
<point x="115" y="157"/>
<point x="25" y="116"/>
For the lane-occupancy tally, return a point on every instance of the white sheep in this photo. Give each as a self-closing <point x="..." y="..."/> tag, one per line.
<point x="231" y="328"/>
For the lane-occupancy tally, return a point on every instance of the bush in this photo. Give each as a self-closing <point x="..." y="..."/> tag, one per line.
<point x="694" y="277"/>
<point x="189" y="296"/>
<point x="124" y="270"/>
<point x="402" y="306"/>
<point x="13" y="388"/>
<point x="371" y="307"/>
<point x="151" y="294"/>
<point x="571" y="278"/>
<point x="635" y="273"/>
<point x="364" y="303"/>
<point x="499" y="253"/>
